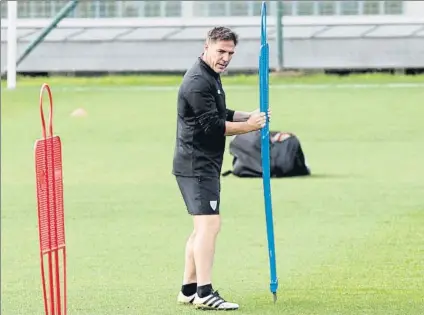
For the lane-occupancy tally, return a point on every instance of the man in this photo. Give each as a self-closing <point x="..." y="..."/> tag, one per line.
<point x="203" y="122"/>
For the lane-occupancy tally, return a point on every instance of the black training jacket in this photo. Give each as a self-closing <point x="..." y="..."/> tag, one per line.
<point x="202" y="112"/>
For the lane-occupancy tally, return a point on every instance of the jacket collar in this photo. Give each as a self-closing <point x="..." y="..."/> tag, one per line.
<point x="208" y="68"/>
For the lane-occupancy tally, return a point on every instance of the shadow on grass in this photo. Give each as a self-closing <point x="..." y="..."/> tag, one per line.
<point x="329" y="176"/>
<point x="306" y="177"/>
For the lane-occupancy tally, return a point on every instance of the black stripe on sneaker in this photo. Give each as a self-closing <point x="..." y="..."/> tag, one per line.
<point x="213" y="301"/>
<point x="212" y="297"/>
<point x="218" y="303"/>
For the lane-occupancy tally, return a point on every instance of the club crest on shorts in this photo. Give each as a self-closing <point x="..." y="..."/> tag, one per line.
<point x="213" y="204"/>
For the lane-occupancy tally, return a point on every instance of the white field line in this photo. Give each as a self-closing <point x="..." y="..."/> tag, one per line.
<point x="129" y="88"/>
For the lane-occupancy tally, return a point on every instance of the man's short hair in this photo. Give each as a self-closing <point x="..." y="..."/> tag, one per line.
<point x="222" y="33"/>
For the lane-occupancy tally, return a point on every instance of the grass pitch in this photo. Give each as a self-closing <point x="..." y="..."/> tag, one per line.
<point x="349" y="239"/>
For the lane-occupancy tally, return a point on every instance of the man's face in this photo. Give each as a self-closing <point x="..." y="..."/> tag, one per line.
<point x="218" y="54"/>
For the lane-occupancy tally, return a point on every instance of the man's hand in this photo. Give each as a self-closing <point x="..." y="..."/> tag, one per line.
<point x="244" y="122"/>
<point x="256" y="120"/>
<point x="257" y="111"/>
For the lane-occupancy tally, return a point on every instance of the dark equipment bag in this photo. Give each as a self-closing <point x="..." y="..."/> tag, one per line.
<point x="287" y="157"/>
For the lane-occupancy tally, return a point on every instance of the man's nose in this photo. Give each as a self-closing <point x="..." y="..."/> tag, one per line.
<point x="226" y="57"/>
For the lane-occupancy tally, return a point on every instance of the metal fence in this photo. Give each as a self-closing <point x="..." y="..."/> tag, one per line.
<point x="151" y="36"/>
<point x="118" y="9"/>
<point x="171" y="45"/>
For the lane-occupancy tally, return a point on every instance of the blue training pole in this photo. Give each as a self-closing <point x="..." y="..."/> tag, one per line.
<point x="265" y="148"/>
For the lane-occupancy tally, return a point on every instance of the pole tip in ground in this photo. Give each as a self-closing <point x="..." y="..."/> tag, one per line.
<point x="275" y="297"/>
<point x="79" y="112"/>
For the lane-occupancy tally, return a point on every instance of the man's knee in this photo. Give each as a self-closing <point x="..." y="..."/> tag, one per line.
<point x="207" y="224"/>
<point x="192" y="236"/>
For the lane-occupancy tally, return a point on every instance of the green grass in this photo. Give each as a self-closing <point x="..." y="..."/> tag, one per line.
<point x="349" y="239"/>
<point x="166" y="80"/>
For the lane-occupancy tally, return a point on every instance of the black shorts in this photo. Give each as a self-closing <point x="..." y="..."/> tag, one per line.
<point x="201" y="194"/>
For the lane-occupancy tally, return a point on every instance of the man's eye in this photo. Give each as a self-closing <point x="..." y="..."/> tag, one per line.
<point x="224" y="52"/>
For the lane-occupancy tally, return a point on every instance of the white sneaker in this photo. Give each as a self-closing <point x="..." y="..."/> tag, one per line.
<point x="183" y="299"/>
<point x="213" y="302"/>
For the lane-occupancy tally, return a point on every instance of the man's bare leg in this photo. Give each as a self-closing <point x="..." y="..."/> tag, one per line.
<point x="207" y="228"/>
<point x="189" y="286"/>
<point x="190" y="267"/>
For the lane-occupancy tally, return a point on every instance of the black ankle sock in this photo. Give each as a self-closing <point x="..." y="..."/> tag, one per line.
<point x="189" y="289"/>
<point x="204" y="290"/>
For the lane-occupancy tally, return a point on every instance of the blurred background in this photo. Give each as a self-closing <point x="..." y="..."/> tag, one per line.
<point x="102" y="36"/>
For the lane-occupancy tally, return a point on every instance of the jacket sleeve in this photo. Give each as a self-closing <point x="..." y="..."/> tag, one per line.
<point x="200" y="97"/>
<point x="230" y="115"/>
